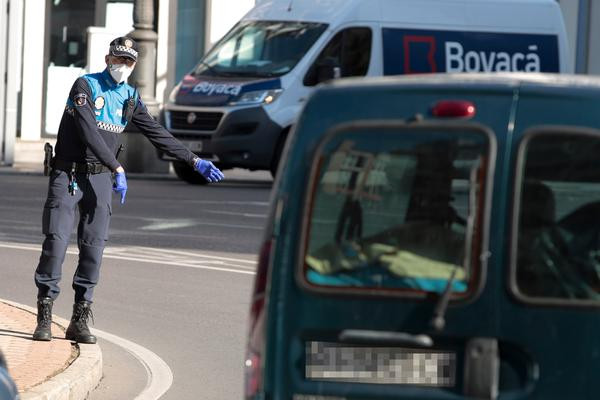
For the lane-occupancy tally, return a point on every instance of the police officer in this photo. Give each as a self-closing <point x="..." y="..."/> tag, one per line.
<point x="99" y="107"/>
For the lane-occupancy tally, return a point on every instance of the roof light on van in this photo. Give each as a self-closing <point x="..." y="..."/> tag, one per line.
<point x="453" y="109"/>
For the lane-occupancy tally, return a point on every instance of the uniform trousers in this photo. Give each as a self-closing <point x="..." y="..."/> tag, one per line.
<point x="93" y="201"/>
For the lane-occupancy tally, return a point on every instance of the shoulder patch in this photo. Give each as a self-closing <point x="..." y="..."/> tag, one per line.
<point x="99" y="102"/>
<point x="80" y="99"/>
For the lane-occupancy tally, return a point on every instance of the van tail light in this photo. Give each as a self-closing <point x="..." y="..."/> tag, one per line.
<point x="256" y="334"/>
<point x="453" y="109"/>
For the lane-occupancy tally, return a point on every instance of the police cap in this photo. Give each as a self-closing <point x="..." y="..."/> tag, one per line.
<point x="124" y="47"/>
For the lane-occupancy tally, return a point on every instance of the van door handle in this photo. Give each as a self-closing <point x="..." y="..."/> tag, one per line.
<point x="385" y="337"/>
<point x="482" y="368"/>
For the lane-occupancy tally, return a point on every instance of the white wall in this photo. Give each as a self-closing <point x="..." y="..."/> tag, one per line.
<point x="13" y="84"/>
<point x="570" y="10"/>
<point x="33" y="70"/>
<point x="3" y="35"/>
<point x="165" y="49"/>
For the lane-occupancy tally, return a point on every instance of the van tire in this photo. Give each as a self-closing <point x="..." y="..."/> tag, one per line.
<point x="187" y="174"/>
<point x="278" y="151"/>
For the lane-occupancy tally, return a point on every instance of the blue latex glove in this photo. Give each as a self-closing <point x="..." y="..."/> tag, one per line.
<point x="208" y="170"/>
<point x="120" y="185"/>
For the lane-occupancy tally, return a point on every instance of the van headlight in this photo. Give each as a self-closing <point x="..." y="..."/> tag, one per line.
<point x="258" y="97"/>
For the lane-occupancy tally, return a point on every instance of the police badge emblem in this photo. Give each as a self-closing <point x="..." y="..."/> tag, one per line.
<point x="128" y="43"/>
<point x="80" y="99"/>
<point x="99" y="102"/>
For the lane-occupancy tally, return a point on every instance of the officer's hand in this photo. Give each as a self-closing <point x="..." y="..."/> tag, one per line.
<point x="120" y="185"/>
<point x="208" y="170"/>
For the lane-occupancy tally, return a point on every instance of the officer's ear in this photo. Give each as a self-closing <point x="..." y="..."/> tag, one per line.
<point x="106" y="59"/>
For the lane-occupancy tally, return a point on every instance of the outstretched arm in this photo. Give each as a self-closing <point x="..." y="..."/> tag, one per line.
<point x="159" y="136"/>
<point x="163" y="140"/>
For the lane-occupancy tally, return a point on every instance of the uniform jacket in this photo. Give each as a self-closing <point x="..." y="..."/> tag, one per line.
<point x="94" y="118"/>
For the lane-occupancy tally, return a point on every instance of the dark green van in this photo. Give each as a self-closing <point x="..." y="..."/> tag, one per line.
<point x="434" y="237"/>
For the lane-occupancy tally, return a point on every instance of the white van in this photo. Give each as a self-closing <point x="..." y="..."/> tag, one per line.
<point x="239" y="103"/>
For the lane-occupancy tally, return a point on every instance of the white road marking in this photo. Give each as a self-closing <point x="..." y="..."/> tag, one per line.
<point x="160" y="256"/>
<point x="203" y="255"/>
<point x="259" y="227"/>
<point x="247" y="215"/>
<point x="163" y="224"/>
<point x="158" y="373"/>
<point x="239" y="203"/>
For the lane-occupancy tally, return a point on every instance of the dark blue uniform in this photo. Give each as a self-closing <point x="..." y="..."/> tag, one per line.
<point x="94" y="118"/>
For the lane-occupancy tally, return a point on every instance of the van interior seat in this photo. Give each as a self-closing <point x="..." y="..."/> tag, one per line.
<point x="537" y="206"/>
<point x="545" y="263"/>
<point x="535" y="275"/>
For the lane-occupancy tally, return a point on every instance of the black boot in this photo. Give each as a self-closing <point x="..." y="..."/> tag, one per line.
<point x="44" y="320"/>
<point x="78" y="330"/>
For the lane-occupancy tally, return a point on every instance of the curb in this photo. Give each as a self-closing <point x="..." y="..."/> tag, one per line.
<point x="235" y="178"/>
<point x="77" y="380"/>
<point x="5" y="170"/>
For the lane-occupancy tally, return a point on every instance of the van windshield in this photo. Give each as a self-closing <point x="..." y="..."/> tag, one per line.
<point x="397" y="210"/>
<point x="260" y="49"/>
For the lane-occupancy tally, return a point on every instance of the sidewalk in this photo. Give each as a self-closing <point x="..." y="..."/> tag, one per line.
<point x="29" y="158"/>
<point x="53" y="370"/>
<point x="235" y="175"/>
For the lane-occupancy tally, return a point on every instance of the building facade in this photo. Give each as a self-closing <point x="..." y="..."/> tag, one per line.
<point x="46" y="44"/>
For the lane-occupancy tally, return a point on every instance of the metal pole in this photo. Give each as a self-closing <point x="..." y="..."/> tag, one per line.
<point x="144" y="158"/>
<point x="583" y="37"/>
<point x="144" y="74"/>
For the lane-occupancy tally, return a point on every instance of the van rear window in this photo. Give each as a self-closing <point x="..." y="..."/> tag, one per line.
<point x="397" y="209"/>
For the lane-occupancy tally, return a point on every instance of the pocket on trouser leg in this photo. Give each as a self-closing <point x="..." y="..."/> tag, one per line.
<point x="51" y="218"/>
<point x="108" y="222"/>
<point x="95" y="227"/>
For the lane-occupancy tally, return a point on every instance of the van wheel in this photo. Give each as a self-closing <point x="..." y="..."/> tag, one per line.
<point x="187" y="174"/>
<point x="278" y="151"/>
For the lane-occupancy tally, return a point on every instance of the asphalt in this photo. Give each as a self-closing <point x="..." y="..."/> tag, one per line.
<point x="60" y="369"/>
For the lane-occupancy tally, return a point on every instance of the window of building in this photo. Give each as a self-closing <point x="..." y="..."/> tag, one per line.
<point x="69" y="20"/>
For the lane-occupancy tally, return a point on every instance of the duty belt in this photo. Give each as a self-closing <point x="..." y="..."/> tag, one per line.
<point x="79" y="168"/>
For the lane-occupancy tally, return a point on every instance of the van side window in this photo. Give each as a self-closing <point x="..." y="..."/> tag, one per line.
<point x="397" y="210"/>
<point x="349" y="50"/>
<point x="558" y="238"/>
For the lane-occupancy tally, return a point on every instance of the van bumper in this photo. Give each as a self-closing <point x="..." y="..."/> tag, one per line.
<point x="244" y="137"/>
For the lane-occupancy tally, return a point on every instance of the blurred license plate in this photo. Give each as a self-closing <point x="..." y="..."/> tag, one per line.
<point x="385" y="365"/>
<point x="194" y="145"/>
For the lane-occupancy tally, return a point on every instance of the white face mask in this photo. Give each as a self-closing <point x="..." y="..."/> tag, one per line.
<point x="120" y="72"/>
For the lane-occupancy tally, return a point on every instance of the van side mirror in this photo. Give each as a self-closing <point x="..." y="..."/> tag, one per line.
<point x="328" y="69"/>
<point x="324" y="73"/>
<point x="324" y="70"/>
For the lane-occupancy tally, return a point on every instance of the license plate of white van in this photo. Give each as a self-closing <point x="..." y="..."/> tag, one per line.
<point x="194" y="145"/>
<point x="337" y="362"/>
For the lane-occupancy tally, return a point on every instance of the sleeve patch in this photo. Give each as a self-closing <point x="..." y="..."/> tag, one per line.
<point x="80" y="99"/>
